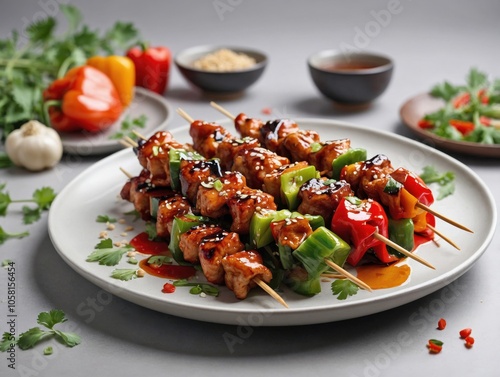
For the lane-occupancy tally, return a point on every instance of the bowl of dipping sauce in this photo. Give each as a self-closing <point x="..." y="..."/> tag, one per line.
<point x="351" y="78"/>
<point x="223" y="70"/>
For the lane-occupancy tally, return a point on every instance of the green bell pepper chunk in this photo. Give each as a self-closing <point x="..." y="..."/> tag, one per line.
<point x="290" y="185"/>
<point x="321" y="244"/>
<point x="300" y="282"/>
<point x="181" y="225"/>
<point x="350" y="157"/>
<point x="286" y="257"/>
<point x="402" y="233"/>
<point x="260" y="226"/>
<point x="314" y="220"/>
<point x="174" y="158"/>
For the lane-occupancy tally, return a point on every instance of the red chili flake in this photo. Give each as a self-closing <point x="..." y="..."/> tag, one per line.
<point x="465" y="333"/>
<point x="435" y="346"/>
<point x="441" y="324"/>
<point x="469" y="341"/>
<point x="168" y="288"/>
<point x="267" y="111"/>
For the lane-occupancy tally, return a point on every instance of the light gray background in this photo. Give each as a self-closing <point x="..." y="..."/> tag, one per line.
<point x="429" y="41"/>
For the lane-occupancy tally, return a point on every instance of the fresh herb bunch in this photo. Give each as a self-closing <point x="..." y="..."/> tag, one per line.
<point x="471" y="111"/>
<point x="27" y="68"/>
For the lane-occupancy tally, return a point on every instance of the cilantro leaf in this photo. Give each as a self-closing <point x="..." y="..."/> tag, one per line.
<point x="31" y="337"/>
<point x="344" y="288"/>
<point x="5" y="201"/>
<point x="105" y="219"/>
<point x="68" y="338"/>
<point x="445" y="90"/>
<point x="159" y="260"/>
<point x="49" y="319"/>
<point x="7" y="342"/>
<point x="41" y="30"/>
<point x="151" y="231"/>
<point x="44" y="197"/>
<point x="4" y="236"/>
<point x="134" y="213"/>
<point x="108" y="255"/>
<point x="73" y="16"/>
<point x="124" y="274"/>
<point x="31" y="215"/>
<point x="198" y="288"/>
<point x="476" y="79"/>
<point x="446" y="181"/>
<point x="5" y="161"/>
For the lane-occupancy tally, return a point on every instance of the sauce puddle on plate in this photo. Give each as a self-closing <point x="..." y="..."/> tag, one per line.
<point x="381" y="277"/>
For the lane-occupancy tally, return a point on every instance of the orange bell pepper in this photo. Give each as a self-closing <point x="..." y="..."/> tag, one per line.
<point x="84" y="99"/>
<point x="120" y="70"/>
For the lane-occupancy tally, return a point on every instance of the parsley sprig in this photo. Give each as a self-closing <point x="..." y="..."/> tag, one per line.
<point x="31" y="59"/>
<point x="35" y="335"/>
<point x="43" y="198"/>
<point x="446" y="180"/>
<point x="128" y="126"/>
<point x="106" y="254"/>
<point x="344" y="288"/>
<point x="198" y="288"/>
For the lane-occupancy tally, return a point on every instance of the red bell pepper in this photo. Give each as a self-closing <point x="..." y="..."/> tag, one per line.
<point x="356" y="221"/>
<point x="84" y="99"/>
<point x="414" y="185"/>
<point x="461" y="100"/>
<point x="463" y="126"/>
<point x="152" y="67"/>
<point x="425" y="124"/>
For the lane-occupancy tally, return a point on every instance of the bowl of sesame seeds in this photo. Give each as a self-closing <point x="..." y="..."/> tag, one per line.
<point x="221" y="69"/>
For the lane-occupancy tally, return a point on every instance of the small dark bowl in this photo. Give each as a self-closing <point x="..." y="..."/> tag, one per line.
<point x="353" y="78"/>
<point x="220" y="82"/>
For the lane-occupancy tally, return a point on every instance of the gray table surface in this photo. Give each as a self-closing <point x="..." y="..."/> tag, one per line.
<point x="429" y="41"/>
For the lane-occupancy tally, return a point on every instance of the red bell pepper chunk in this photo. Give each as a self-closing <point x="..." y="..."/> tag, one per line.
<point x="463" y="126"/>
<point x="152" y="67"/>
<point x="414" y="185"/>
<point x="85" y="99"/>
<point x="483" y="96"/>
<point x="425" y="124"/>
<point x="461" y="100"/>
<point x="356" y="221"/>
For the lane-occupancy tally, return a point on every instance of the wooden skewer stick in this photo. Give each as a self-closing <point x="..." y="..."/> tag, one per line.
<point x="126" y="144"/>
<point x="332" y="276"/>
<point x="347" y="275"/>
<point x="139" y="135"/>
<point x="131" y="141"/>
<point x="185" y="115"/>
<point x="442" y="217"/>
<point x="222" y="110"/>
<point x="270" y="291"/>
<point x="405" y="252"/>
<point x="443" y="236"/>
<point x="126" y="173"/>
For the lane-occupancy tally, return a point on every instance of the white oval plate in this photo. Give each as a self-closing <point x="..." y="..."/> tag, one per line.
<point x="74" y="232"/>
<point x="145" y="102"/>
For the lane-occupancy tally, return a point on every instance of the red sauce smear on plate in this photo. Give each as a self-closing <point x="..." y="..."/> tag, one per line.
<point x="168" y="271"/>
<point x="144" y="245"/>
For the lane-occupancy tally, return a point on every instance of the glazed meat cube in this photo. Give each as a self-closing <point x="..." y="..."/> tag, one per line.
<point x="272" y="181"/>
<point x="273" y="132"/>
<point x="192" y="173"/>
<point x="255" y="163"/>
<point x="244" y="204"/>
<point x="323" y="158"/>
<point x="297" y="145"/>
<point x="291" y="232"/>
<point x="214" y="193"/>
<point x="248" y="127"/>
<point x="135" y="191"/>
<point x="241" y="269"/>
<point x="321" y="197"/>
<point x="211" y="251"/>
<point x="207" y="136"/>
<point x="190" y="241"/>
<point x="229" y="148"/>
<point x="168" y="209"/>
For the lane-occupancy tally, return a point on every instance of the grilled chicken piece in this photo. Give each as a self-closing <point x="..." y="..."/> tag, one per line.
<point x="323" y="158"/>
<point x="229" y="148"/>
<point x="214" y="194"/>
<point x="193" y="172"/>
<point x="298" y="145"/>
<point x="212" y="249"/>
<point x="248" y="127"/>
<point x="136" y="190"/>
<point x="321" y="197"/>
<point x="255" y="163"/>
<point x="153" y="156"/>
<point x="189" y="241"/>
<point x="272" y="181"/>
<point x="207" y="136"/>
<point x="291" y="232"/>
<point x="274" y="131"/>
<point x="169" y="208"/>
<point x="244" y="204"/>
<point x="369" y="178"/>
<point x="241" y="269"/>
